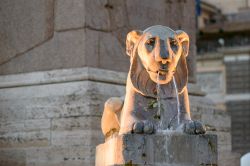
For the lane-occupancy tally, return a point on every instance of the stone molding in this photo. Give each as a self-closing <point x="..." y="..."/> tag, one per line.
<point x="237" y="97"/>
<point x="62" y="76"/>
<point x="234" y="50"/>
<point x="73" y="75"/>
<point x="237" y="57"/>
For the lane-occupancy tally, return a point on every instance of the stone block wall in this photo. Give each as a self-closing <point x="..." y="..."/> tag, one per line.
<point x="240" y="125"/>
<point x="211" y="73"/>
<point x="24" y="25"/>
<point x="53" y="118"/>
<point x="212" y="77"/>
<point x="217" y="122"/>
<point x="238" y="103"/>
<point x="70" y="34"/>
<point x="238" y="76"/>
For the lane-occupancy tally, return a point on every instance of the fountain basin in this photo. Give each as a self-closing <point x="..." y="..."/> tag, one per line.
<point x="171" y="148"/>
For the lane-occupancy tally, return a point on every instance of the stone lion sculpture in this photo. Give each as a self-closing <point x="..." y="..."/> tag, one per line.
<point x="157" y="56"/>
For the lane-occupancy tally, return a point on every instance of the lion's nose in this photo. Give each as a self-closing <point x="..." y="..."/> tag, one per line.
<point x="162" y="55"/>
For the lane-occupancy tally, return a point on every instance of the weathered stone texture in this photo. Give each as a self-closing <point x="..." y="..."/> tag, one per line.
<point x="171" y="148"/>
<point x="63" y="51"/>
<point x="24" y="25"/>
<point x="92" y="42"/>
<point x="217" y="122"/>
<point x="212" y="82"/>
<point x="238" y="77"/>
<point x="48" y="156"/>
<point x="152" y="13"/>
<point x="53" y="124"/>
<point x="61" y="155"/>
<point x="93" y="33"/>
<point x="76" y="137"/>
<point x="69" y="14"/>
<point x="240" y="111"/>
<point x="76" y="123"/>
<point x="61" y="108"/>
<point x="225" y="76"/>
<point x="25" y="139"/>
<point x="11" y="157"/>
<point x="97" y="15"/>
<point x="111" y="51"/>
<point x="24" y="125"/>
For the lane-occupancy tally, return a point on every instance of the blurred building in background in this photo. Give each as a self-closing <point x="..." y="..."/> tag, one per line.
<point x="223" y="64"/>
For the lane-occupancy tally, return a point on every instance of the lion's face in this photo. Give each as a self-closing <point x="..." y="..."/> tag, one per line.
<point x="159" y="49"/>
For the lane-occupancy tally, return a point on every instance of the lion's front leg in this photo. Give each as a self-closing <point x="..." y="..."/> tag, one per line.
<point x="131" y="124"/>
<point x="110" y="121"/>
<point x="143" y="126"/>
<point x="134" y="118"/>
<point x="194" y="127"/>
<point x="186" y="124"/>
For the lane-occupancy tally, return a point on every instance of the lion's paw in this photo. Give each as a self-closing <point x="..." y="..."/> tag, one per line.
<point x="141" y="127"/>
<point x="194" y="127"/>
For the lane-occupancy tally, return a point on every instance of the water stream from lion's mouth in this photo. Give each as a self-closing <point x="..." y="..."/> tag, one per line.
<point x="177" y="101"/>
<point x="177" y="115"/>
<point x="158" y="86"/>
<point x="159" y="100"/>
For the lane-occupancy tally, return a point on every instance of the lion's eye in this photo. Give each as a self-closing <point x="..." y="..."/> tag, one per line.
<point x="150" y="43"/>
<point x="173" y="44"/>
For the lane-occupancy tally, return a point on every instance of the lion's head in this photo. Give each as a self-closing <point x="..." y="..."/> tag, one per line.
<point x="158" y="53"/>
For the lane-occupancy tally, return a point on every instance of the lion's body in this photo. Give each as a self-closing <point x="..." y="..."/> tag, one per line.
<point x="154" y="59"/>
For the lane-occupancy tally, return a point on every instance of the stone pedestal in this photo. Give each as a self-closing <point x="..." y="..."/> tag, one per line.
<point x="171" y="148"/>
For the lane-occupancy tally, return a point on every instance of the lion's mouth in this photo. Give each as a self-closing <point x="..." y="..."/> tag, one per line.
<point x="160" y="74"/>
<point x="162" y="71"/>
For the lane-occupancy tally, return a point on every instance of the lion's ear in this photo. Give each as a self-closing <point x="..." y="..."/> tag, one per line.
<point x="184" y="40"/>
<point x="131" y="40"/>
<point x="181" y="74"/>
